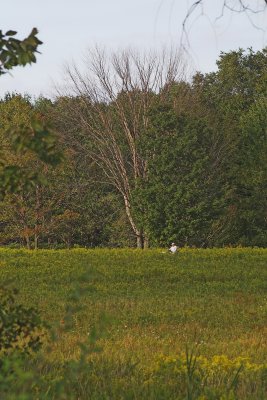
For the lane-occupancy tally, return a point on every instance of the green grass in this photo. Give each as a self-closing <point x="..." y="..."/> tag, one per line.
<point x="156" y="303"/>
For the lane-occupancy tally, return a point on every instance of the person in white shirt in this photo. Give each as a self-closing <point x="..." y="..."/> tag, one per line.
<point x="173" y="249"/>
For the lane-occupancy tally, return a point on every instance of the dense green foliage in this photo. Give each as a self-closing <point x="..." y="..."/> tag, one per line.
<point x="210" y="304"/>
<point x="193" y="164"/>
<point x="181" y="197"/>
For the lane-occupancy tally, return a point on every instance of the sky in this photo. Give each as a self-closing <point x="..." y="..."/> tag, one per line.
<point x="68" y="28"/>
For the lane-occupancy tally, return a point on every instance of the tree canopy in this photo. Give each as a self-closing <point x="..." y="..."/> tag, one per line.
<point x="184" y="162"/>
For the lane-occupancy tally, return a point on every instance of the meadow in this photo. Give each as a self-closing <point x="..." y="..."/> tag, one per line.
<point x="130" y="324"/>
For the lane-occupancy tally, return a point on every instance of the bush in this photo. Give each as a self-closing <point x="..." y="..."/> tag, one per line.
<point x="20" y="328"/>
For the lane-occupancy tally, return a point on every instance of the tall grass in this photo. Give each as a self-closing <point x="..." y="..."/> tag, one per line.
<point x="160" y="309"/>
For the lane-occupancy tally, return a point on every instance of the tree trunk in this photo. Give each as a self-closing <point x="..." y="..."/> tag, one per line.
<point x="35" y="241"/>
<point x="28" y="244"/>
<point x="139" y="241"/>
<point x="137" y="232"/>
<point x="146" y="242"/>
<point x="37" y="217"/>
<point x="142" y="241"/>
<point x="141" y="238"/>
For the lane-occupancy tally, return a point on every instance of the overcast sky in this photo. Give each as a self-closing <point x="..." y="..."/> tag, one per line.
<point x="69" y="27"/>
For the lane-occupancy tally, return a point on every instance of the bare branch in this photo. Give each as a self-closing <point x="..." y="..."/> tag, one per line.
<point x="235" y="6"/>
<point x="117" y="90"/>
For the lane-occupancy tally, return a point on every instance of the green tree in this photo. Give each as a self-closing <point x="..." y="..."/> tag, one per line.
<point x="233" y="101"/>
<point x="252" y="172"/>
<point x="25" y="204"/>
<point x="181" y="198"/>
<point x="34" y="137"/>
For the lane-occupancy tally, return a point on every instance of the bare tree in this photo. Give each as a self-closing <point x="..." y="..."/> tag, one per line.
<point x="116" y="91"/>
<point x="248" y="7"/>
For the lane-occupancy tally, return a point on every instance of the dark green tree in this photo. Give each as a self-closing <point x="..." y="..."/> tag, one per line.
<point x="181" y="196"/>
<point x="233" y="100"/>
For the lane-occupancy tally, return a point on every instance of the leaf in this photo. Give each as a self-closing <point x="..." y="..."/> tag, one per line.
<point x="11" y="33"/>
<point x="34" y="32"/>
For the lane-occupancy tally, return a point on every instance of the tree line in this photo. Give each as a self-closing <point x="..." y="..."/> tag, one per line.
<point x="149" y="156"/>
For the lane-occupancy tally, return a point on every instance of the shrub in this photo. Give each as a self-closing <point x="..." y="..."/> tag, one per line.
<point x="20" y="328"/>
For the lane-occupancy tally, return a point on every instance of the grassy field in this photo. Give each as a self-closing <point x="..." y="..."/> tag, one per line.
<point x="160" y="309"/>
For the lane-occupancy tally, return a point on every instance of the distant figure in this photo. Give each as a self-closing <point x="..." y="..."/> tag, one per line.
<point x="173" y="249"/>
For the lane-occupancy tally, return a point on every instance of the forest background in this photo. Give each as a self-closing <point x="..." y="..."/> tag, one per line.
<point x="150" y="156"/>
